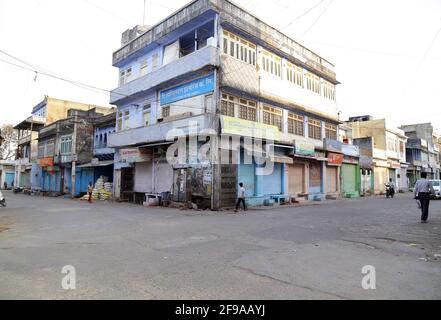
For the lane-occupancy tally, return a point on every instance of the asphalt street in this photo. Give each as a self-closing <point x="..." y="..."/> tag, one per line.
<point x="123" y="251"/>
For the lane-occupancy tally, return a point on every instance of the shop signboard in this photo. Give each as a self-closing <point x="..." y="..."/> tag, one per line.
<point x="46" y="162"/>
<point x="245" y="128"/>
<point x="188" y="90"/>
<point x="304" y="148"/>
<point x="332" y="145"/>
<point x="135" y="155"/>
<point x="395" y="165"/>
<point x="335" y="159"/>
<point x="350" y="150"/>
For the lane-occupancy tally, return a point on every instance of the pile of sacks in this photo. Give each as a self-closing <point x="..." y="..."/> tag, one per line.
<point x="102" y="190"/>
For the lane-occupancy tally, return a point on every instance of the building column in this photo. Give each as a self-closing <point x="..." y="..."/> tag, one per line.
<point x="258" y="182"/>
<point x="324" y="180"/>
<point x="284" y="173"/>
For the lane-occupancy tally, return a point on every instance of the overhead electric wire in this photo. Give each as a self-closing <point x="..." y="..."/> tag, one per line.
<point x="303" y="14"/>
<point x="86" y="86"/>
<point x="318" y="18"/>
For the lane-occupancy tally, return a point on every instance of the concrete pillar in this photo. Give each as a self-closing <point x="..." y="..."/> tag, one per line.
<point x="284" y="180"/>
<point x="323" y="173"/>
<point x="258" y="184"/>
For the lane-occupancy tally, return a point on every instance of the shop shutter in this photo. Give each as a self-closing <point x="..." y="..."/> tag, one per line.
<point x="349" y="178"/>
<point x="164" y="177"/>
<point x="296" y="178"/>
<point x="9" y="178"/>
<point x="246" y="176"/>
<point x="331" y="179"/>
<point x="143" y="177"/>
<point x="272" y="184"/>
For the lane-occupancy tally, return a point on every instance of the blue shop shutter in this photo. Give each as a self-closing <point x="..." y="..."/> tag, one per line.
<point x="246" y="175"/>
<point x="9" y="179"/>
<point x="272" y="184"/>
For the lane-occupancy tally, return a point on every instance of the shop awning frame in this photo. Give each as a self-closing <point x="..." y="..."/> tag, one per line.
<point x="99" y="164"/>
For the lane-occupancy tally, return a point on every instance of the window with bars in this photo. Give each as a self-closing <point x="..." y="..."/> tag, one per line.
<point x="273" y="116"/>
<point x="227" y="105"/>
<point x="294" y="74"/>
<point x="165" y="112"/>
<point x="247" y="110"/>
<point x="239" y="48"/>
<point x="66" y="145"/>
<point x="331" y="131"/>
<point x="146" y="114"/>
<point x="119" y="121"/>
<point x="315" y="129"/>
<point x="143" y="67"/>
<point x="312" y="82"/>
<point x="126" y="122"/>
<point x="271" y="63"/>
<point x="296" y="124"/>
<point x="328" y="90"/>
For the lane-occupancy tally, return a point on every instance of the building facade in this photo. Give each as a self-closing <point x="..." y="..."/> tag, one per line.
<point x="216" y="72"/>
<point x="48" y="111"/>
<point x="423" y="151"/>
<point x="382" y="154"/>
<point x="63" y="148"/>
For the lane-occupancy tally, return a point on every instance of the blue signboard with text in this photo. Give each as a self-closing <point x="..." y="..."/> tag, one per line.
<point x="188" y="90"/>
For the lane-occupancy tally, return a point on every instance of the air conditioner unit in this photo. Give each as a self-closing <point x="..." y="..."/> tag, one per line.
<point x="211" y="42"/>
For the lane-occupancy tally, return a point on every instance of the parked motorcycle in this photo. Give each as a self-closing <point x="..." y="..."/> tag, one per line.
<point x="2" y="200"/>
<point x="390" y="191"/>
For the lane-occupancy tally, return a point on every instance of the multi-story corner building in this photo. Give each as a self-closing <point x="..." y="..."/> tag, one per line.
<point x="382" y="153"/>
<point x="423" y="151"/>
<point x="65" y="152"/>
<point x="214" y="67"/>
<point x="44" y="113"/>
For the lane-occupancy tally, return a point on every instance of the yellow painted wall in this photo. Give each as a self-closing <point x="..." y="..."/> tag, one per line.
<point x="57" y="109"/>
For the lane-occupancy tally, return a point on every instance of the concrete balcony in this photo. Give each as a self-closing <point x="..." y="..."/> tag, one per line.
<point x="24" y="140"/>
<point x="158" y="132"/>
<point x="103" y="149"/>
<point x="208" y="56"/>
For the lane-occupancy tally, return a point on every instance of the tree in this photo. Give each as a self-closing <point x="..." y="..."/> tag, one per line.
<point x="8" y="143"/>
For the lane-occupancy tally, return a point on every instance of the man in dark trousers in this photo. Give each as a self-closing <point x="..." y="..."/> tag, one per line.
<point x="89" y="192"/>
<point x="241" y="198"/>
<point x="422" y="191"/>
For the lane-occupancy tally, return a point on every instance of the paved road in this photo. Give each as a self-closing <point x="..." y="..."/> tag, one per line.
<point x="123" y="251"/>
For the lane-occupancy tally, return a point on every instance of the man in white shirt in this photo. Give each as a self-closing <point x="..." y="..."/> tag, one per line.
<point x="241" y="198"/>
<point x="423" y="189"/>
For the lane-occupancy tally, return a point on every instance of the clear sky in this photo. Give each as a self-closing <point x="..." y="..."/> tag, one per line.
<point x="387" y="52"/>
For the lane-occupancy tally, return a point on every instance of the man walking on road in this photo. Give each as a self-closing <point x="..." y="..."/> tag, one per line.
<point x="241" y="198"/>
<point x="89" y="192"/>
<point x="423" y="189"/>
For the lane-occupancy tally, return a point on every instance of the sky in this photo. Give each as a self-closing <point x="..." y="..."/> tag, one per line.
<point x="387" y="53"/>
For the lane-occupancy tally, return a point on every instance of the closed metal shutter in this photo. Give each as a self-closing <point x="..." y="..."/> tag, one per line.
<point x="164" y="177"/>
<point x="143" y="177"/>
<point x="349" y="178"/>
<point x="272" y="184"/>
<point x="246" y="176"/>
<point x="331" y="179"/>
<point x="296" y="178"/>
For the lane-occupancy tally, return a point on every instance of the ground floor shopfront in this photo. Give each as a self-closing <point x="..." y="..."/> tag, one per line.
<point x="7" y="175"/>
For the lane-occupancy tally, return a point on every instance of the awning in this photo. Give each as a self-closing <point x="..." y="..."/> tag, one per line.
<point x="99" y="164"/>
<point x="282" y="159"/>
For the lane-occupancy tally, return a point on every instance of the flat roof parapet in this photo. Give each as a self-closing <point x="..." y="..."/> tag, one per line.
<point x="233" y="14"/>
